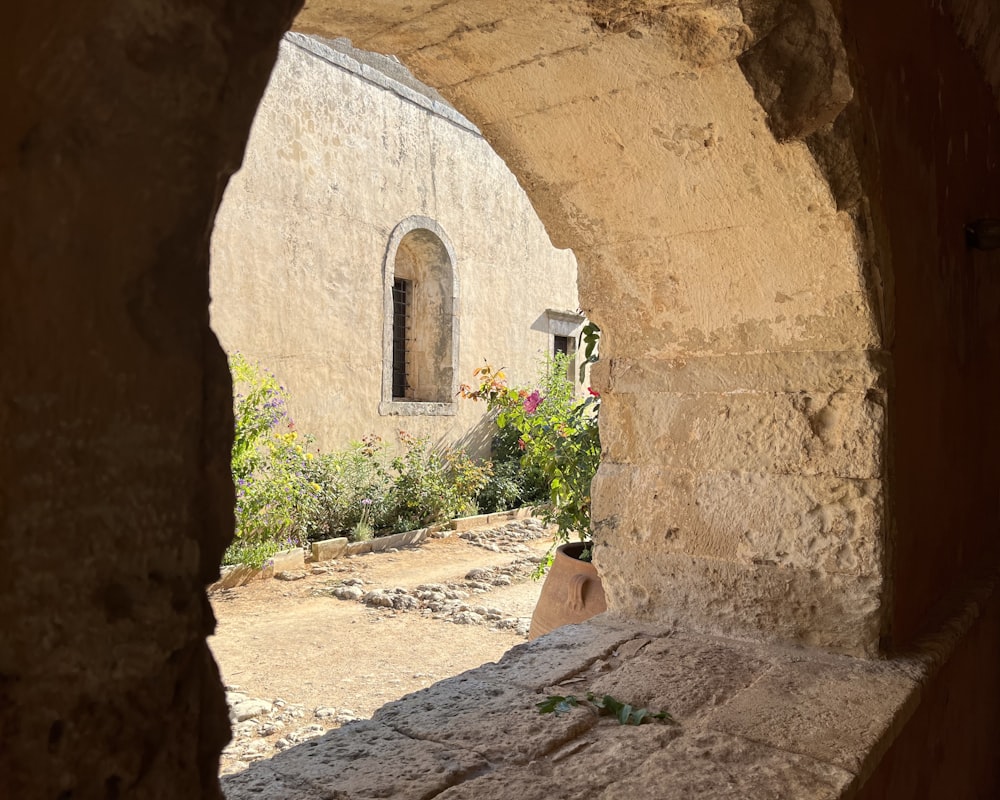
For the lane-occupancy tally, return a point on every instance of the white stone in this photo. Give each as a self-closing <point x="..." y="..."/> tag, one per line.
<point x="248" y="709"/>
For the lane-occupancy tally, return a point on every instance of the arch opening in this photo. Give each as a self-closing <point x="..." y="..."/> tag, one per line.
<point x="421" y="322"/>
<point x="107" y="389"/>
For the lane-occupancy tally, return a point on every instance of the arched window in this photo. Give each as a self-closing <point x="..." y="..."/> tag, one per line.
<point x="420" y="334"/>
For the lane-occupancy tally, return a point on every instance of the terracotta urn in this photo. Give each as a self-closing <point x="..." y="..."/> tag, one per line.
<point x="572" y="592"/>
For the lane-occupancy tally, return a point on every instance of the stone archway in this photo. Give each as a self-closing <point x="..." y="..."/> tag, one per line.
<point x="744" y="406"/>
<point x="614" y="115"/>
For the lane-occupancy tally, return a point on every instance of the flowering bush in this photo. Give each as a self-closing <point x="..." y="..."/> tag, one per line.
<point x="430" y="487"/>
<point x="288" y="492"/>
<point x="557" y="435"/>
<point x="354" y="488"/>
<point x="275" y="490"/>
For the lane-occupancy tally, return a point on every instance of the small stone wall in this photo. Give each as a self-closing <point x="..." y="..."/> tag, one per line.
<point x="339" y="547"/>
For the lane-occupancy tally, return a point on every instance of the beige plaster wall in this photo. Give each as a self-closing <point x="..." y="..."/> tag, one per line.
<point x="335" y="162"/>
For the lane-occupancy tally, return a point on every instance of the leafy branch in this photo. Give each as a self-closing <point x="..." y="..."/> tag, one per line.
<point x="607" y="705"/>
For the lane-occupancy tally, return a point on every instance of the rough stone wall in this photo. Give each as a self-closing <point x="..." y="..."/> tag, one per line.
<point x="120" y="123"/>
<point x="335" y="162"/>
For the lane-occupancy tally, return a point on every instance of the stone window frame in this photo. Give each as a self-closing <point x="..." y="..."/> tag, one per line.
<point x="389" y="406"/>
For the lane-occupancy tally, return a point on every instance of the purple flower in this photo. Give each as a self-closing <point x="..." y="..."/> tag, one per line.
<point x="532" y="402"/>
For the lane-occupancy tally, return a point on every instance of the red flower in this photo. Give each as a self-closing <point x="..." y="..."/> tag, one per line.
<point x="532" y="402"/>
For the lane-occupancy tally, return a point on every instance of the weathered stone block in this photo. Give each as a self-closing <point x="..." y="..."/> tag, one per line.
<point x="788" y="707"/>
<point x="359" y="548"/>
<point x="803" y="433"/>
<point x="467" y="523"/>
<point x="578" y="769"/>
<point x="716" y="765"/>
<point x="329" y="549"/>
<point x="233" y="576"/>
<point x="493" y="718"/>
<point x="823" y="523"/>
<point x="833" y="611"/>
<point x="681" y="301"/>
<point x="558" y="655"/>
<point x="287" y="560"/>
<point x="795" y="371"/>
<point x="404" y="539"/>
<point x="362" y="759"/>
<point x="684" y="675"/>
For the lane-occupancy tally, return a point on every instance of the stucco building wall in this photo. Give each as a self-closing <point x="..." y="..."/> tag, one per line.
<point x="342" y="154"/>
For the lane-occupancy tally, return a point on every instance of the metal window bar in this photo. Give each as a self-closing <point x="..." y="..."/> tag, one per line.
<point x="401" y="293"/>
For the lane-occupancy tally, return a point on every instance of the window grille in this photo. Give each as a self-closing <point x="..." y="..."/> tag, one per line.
<point x="401" y="297"/>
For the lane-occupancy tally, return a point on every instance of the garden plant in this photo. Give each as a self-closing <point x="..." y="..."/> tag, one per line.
<point x="556" y="434"/>
<point x="289" y="492"/>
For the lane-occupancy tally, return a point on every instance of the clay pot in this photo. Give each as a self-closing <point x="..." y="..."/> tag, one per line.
<point x="572" y="592"/>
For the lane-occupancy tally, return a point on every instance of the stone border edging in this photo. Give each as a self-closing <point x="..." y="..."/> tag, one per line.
<point x="329" y="549"/>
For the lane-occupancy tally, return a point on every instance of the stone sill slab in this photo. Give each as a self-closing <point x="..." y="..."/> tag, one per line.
<point x="329" y="549"/>
<point x="755" y="721"/>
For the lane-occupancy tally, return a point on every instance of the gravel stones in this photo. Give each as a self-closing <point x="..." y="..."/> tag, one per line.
<point x="348" y="592"/>
<point x="509" y="538"/>
<point x="391" y="598"/>
<point x="248" y="709"/>
<point x="262" y="728"/>
<point x="449" y="601"/>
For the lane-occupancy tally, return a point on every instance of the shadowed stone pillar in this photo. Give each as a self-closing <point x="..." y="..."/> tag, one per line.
<point x="121" y="124"/>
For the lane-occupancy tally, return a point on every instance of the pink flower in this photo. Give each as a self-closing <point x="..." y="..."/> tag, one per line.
<point x="532" y="402"/>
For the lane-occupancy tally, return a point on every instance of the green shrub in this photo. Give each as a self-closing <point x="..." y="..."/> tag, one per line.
<point x="354" y="486"/>
<point x="429" y="487"/>
<point x="288" y="492"/>
<point x="275" y="493"/>
<point x="504" y="489"/>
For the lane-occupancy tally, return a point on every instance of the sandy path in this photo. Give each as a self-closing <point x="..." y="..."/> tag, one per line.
<point x="293" y="641"/>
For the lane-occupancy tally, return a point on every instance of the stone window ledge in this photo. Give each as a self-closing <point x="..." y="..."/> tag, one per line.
<point x="408" y="408"/>
<point x="755" y="721"/>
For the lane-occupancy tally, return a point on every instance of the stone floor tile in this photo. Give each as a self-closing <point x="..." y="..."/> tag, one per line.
<point x="497" y="720"/>
<point x="833" y="712"/>
<point x="361" y="761"/>
<point x="681" y="675"/>
<point x="713" y="766"/>
<point x="569" y="650"/>
<point x="576" y="771"/>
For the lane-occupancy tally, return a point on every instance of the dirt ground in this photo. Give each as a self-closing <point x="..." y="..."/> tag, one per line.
<point x="319" y="660"/>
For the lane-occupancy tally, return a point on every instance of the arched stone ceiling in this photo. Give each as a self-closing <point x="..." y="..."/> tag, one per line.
<point x="637" y="136"/>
